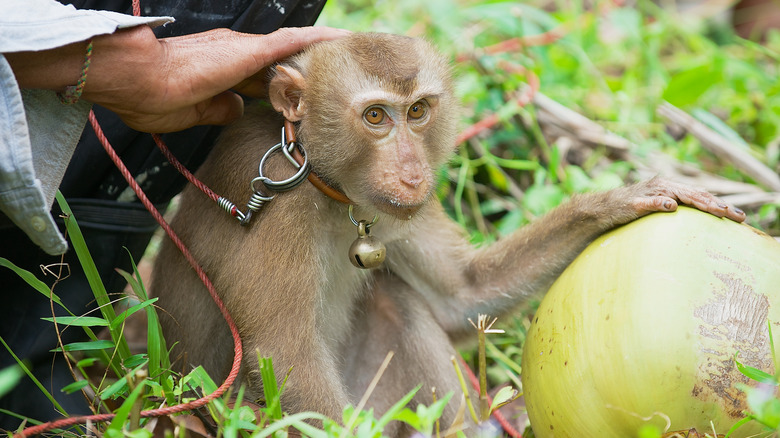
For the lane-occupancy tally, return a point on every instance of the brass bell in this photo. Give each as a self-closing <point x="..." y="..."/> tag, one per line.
<point x="366" y="252"/>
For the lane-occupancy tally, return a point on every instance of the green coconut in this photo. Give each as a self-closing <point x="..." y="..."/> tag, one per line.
<point x="643" y="327"/>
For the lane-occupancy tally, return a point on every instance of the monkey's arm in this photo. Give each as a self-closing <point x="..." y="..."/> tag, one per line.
<point x="461" y="281"/>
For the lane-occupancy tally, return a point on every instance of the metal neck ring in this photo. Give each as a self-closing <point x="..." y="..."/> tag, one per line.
<point x="357" y="224"/>
<point x="289" y="183"/>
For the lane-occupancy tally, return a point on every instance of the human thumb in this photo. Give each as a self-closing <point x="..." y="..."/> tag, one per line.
<point x="221" y="109"/>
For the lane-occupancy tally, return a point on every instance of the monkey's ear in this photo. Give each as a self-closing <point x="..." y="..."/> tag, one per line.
<point x="285" y="92"/>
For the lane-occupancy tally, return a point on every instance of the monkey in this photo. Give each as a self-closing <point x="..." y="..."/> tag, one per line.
<point x="377" y="117"/>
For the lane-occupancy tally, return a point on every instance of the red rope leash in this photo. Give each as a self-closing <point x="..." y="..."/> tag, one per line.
<point x="183" y="170"/>
<point x="70" y="421"/>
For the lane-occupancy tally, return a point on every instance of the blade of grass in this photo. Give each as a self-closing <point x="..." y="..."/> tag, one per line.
<point x="32" y="280"/>
<point x="9" y="378"/>
<point x="120" y="319"/>
<point x="79" y="321"/>
<point x="100" y="344"/>
<point x="270" y="387"/>
<point x="123" y="413"/>
<point x="156" y="347"/>
<point x="95" y="283"/>
<point x="35" y="380"/>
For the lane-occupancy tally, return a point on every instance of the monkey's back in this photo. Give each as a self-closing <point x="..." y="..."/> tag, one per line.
<point x="190" y="317"/>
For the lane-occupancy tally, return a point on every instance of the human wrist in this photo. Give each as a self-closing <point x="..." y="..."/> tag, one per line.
<point x="124" y="63"/>
<point x="52" y="69"/>
<point x="72" y="93"/>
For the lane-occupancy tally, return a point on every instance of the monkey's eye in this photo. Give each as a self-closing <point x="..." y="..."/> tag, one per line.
<point x="374" y="115"/>
<point x="418" y="110"/>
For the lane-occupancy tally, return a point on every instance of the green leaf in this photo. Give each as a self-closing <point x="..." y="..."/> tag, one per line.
<point x="409" y="417"/>
<point x="75" y="386"/>
<point x="516" y="164"/>
<point x="270" y="387"/>
<point x="86" y="362"/>
<point x="764" y="406"/>
<point x="505" y="395"/>
<point x="32" y="280"/>
<point x="122" y="414"/>
<point x="93" y="278"/>
<point x="9" y="377"/>
<point x="114" y="390"/>
<point x="157" y="350"/>
<point x="32" y="377"/>
<point x="686" y="87"/>
<point x="754" y="373"/>
<point x="397" y="408"/>
<point x="539" y="199"/>
<point x="135" y="361"/>
<point x="497" y="178"/>
<point x="79" y="321"/>
<point x="577" y="181"/>
<point x="297" y="421"/>
<point x="120" y="319"/>
<point x="86" y="346"/>
<point x="717" y="125"/>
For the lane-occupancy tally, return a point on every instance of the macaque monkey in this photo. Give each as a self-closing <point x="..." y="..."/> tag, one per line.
<point x="377" y="117"/>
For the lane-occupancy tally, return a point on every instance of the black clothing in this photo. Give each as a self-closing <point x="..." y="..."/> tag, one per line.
<point x="109" y="214"/>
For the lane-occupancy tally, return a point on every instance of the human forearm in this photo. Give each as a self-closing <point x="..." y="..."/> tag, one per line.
<point x="52" y="69"/>
<point x="167" y="84"/>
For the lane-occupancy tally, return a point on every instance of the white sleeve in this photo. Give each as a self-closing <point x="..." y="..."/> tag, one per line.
<point x="38" y="134"/>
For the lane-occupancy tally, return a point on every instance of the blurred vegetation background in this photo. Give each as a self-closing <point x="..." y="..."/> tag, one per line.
<point x="559" y="97"/>
<point x="657" y="83"/>
<point x="577" y="96"/>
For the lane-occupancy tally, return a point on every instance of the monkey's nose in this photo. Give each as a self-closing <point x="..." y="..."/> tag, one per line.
<point x="413" y="180"/>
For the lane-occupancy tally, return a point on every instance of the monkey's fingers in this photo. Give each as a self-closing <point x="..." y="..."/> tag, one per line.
<point x="650" y="204"/>
<point x="710" y="203"/>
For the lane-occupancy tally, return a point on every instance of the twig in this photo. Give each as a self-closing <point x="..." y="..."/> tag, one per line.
<point x="752" y="200"/>
<point x="552" y="112"/>
<point x="721" y="147"/>
<point x="371" y="386"/>
<point x="660" y="164"/>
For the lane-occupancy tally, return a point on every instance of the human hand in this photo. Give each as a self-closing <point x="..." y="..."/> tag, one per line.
<point x="165" y="85"/>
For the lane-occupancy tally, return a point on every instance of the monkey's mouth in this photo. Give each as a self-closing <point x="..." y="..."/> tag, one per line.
<point x="401" y="210"/>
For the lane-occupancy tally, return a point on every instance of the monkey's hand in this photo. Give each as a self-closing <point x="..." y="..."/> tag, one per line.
<point x="658" y="194"/>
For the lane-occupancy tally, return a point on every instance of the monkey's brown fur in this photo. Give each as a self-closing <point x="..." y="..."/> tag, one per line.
<point x="286" y="278"/>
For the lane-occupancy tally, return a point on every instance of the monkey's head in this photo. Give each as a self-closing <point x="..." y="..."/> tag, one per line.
<point x="377" y="116"/>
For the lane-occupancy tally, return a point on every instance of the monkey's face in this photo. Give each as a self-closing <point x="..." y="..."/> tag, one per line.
<point x="395" y="172"/>
<point x="377" y="117"/>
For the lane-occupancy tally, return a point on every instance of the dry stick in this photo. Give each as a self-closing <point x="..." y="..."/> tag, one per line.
<point x="744" y="195"/>
<point x="587" y="130"/>
<point x="371" y="386"/>
<point x="721" y="147"/>
<point x="752" y="200"/>
<point x="659" y="163"/>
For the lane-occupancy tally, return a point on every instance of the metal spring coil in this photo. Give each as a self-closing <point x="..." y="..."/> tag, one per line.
<point x="257" y="200"/>
<point x="230" y="208"/>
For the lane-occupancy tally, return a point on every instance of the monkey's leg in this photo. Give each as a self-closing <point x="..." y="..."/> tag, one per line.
<point x="396" y="318"/>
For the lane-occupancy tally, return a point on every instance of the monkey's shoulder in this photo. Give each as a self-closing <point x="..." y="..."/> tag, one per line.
<point x="260" y="126"/>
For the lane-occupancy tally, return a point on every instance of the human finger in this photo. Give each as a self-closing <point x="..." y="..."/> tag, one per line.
<point x="217" y="110"/>
<point x="288" y="41"/>
<point x="221" y="109"/>
<point x="201" y="65"/>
